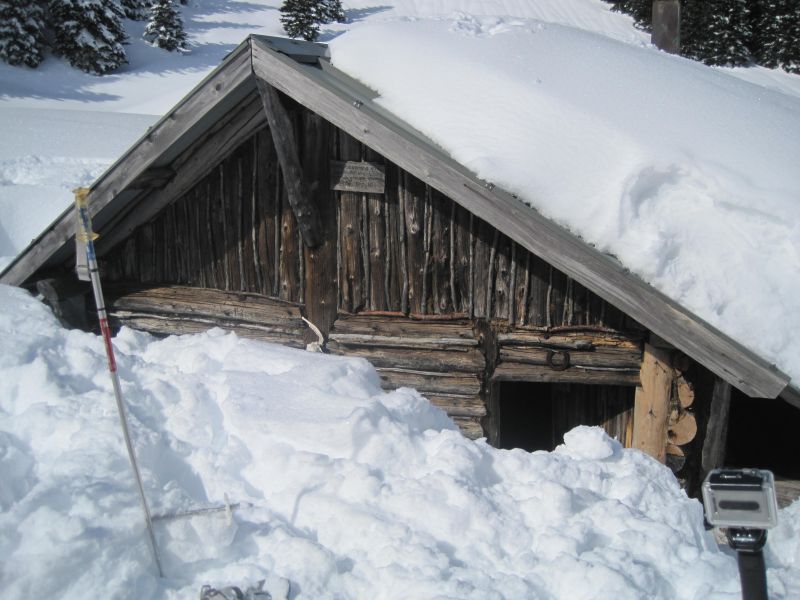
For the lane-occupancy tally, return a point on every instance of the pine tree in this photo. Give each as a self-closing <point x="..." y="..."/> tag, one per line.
<point x="299" y="19"/>
<point x="777" y="34"/>
<point x="729" y="33"/>
<point x="136" y="10"/>
<point x="302" y="18"/>
<point x="640" y="10"/>
<point x="790" y="51"/>
<point x="165" y="29"/>
<point x="694" y="28"/>
<point x="331" y="11"/>
<point x="21" y="32"/>
<point x="89" y="34"/>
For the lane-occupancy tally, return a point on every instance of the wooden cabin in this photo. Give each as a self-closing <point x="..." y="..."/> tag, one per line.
<point x="279" y="191"/>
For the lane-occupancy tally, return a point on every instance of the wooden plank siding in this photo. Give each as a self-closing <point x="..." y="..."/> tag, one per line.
<point x="410" y="254"/>
<point x="410" y="250"/>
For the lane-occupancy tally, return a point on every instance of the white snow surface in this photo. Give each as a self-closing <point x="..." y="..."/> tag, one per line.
<point x="45" y="153"/>
<point x="343" y="491"/>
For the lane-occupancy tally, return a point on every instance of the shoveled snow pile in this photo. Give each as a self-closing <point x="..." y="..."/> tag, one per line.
<point x="687" y="174"/>
<point x="343" y="490"/>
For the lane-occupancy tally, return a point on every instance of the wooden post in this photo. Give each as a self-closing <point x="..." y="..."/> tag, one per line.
<point x="717" y="428"/>
<point x="301" y="201"/>
<point x="666" y="34"/>
<point x="651" y="403"/>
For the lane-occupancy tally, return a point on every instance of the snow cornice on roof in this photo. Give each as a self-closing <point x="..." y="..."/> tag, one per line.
<point x="301" y="71"/>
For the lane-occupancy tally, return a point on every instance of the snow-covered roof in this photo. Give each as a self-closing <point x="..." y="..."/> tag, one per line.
<point x="520" y="140"/>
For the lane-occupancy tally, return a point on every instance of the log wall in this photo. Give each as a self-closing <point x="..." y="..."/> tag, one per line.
<point x="405" y="264"/>
<point x="409" y="250"/>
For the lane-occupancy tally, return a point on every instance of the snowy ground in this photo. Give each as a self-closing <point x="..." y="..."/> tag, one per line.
<point x="343" y="490"/>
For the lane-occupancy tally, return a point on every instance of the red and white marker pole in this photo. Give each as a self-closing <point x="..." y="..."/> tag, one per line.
<point x="86" y="235"/>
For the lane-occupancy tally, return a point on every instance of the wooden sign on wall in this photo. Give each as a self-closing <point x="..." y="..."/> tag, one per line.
<point x="354" y="176"/>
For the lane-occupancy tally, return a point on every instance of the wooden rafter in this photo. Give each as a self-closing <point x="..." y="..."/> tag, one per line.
<point x="300" y="199"/>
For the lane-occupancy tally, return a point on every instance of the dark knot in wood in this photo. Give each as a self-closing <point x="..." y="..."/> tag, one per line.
<point x="558" y="360"/>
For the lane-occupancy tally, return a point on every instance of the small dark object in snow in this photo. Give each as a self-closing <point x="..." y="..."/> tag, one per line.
<point x="232" y="592"/>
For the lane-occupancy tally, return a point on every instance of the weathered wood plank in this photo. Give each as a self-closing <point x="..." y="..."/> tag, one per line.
<point x="430" y="381"/>
<point x="289" y="261"/>
<point x="146" y="255"/>
<point x="358" y="176"/>
<point x="579" y="339"/>
<point x="377" y="265"/>
<point x="283" y="137"/>
<point x="545" y="374"/>
<point x="214" y="275"/>
<point x="265" y="199"/>
<point x="402" y="234"/>
<point x="470" y="427"/>
<point x="599" y="357"/>
<point x="180" y="326"/>
<point x="441" y="343"/>
<point x="713" y="453"/>
<point x="415" y="234"/>
<point x="350" y="261"/>
<point x="481" y="254"/>
<point x="320" y="263"/>
<point x="461" y="260"/>
<point x="202" y="302"/>
<point x="193" y="165"/>
<point x="415" y="358"/>
<point x="652" y="403"/>
<point x="400" y="327"/>
<point x="458" y="406"/>
<point x="224" y="216"/>
<point x="502" y="286"/>
<point x="441" y="294"/>
<point x="394" y="246"/>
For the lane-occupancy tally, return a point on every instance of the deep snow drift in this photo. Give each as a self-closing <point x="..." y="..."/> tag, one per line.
<point x="343" y="490"/>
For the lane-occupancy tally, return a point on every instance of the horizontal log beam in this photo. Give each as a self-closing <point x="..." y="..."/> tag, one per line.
<point x="470" y="427"/>
<point x="468" y="361"/>
<point x="572" y="341"/>
<point x="437" y="343"/>
<point x="403" y="327"/>
<point x="430" y="381"/>
<point x="181" y="326"/>
<point x="620" y="358"/>
<point x="544" y="374"/>
<point x="205" y="303"/>
<point x="458" y="406"/>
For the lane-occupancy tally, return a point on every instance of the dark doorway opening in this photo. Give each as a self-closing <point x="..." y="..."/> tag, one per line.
<point x="535" y="416"/>
<point x="762" y="433"/>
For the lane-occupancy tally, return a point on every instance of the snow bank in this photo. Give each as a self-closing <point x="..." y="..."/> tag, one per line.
<point x="687" y="174"/>
<point x="344" y="490"/>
